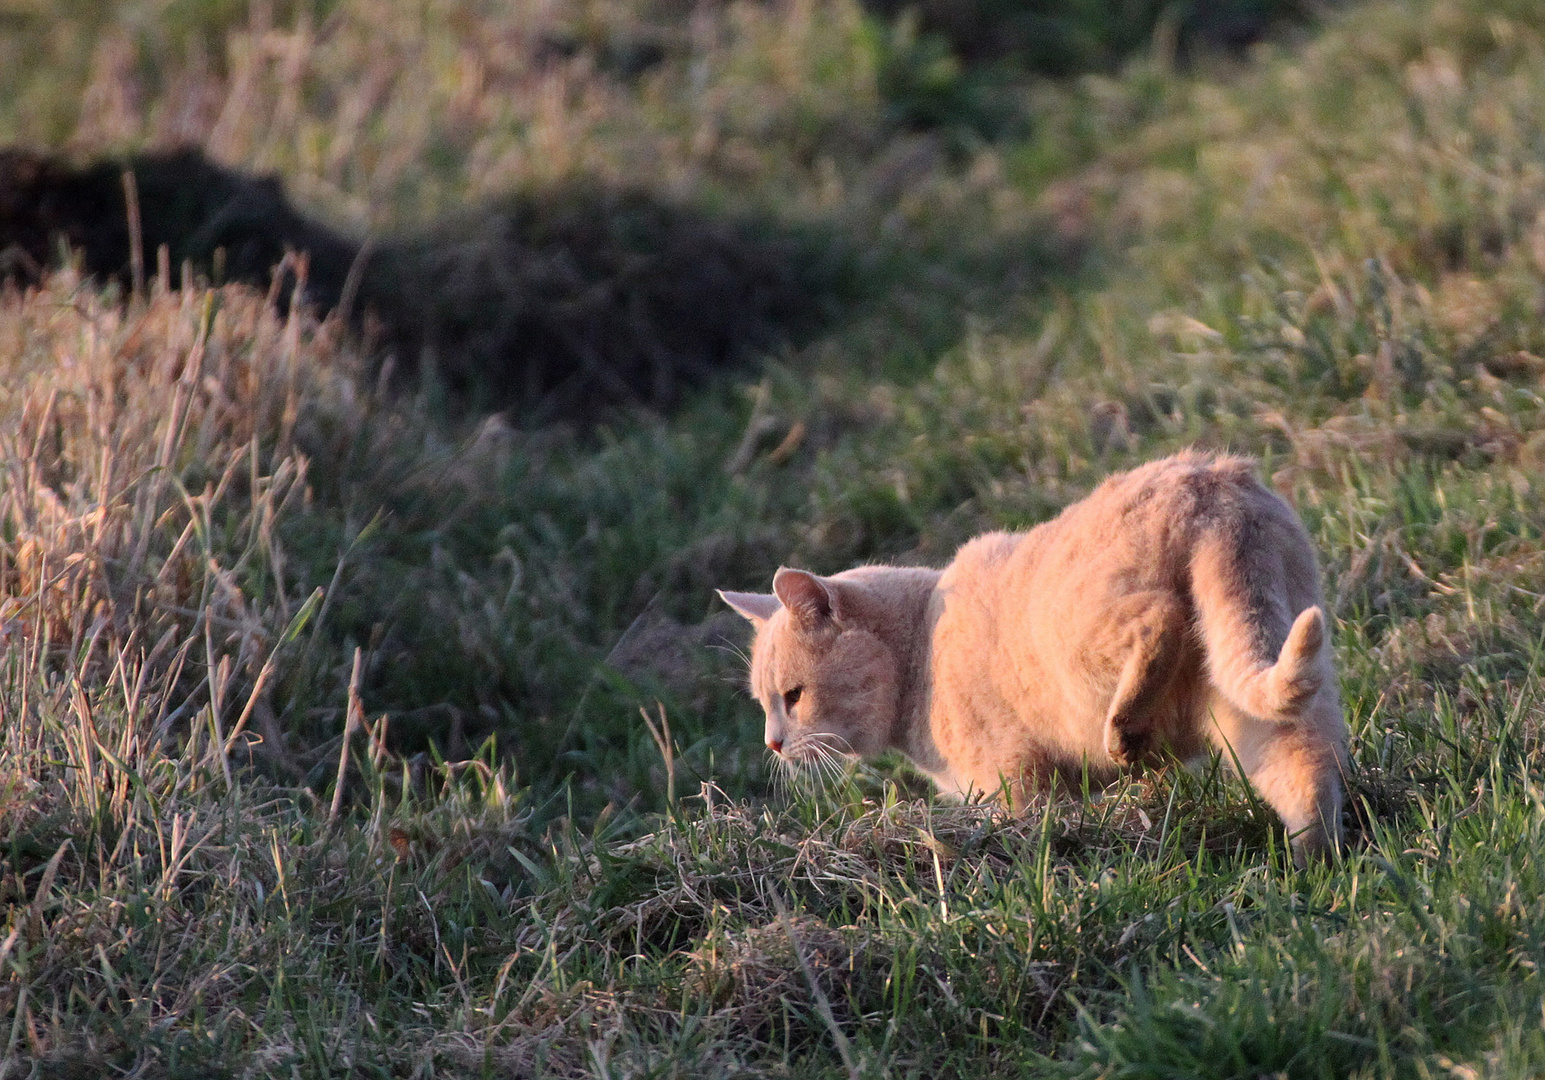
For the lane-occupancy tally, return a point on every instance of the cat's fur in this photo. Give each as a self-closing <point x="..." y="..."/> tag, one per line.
<point x="1177" y="607"/>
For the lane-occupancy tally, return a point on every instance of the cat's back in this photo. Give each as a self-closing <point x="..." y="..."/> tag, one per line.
<point x="1156" y="510"/>
<point x="1192" y="481"/>
<point x="1137" y="531"/>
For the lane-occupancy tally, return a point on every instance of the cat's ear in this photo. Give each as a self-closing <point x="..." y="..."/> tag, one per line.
<point x="810" y="599"/>
<point x="757" y="607"/>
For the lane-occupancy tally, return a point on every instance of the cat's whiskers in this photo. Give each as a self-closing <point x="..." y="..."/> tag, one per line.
<point x="797" y="774"/>
<point x="740" y="679"/>
<point x="829" y="739"/>
<point x="728" y="646"/>
<point x="782" y="779"/>
<point x="834" y="764"/>
<point x="802" y="757"/>
<point x="812" y="752"/>
<point x="828" y="762"/>
<point x="827" y="765"/>
<point x="801" y="749"/>
<point x="832" y="752"/>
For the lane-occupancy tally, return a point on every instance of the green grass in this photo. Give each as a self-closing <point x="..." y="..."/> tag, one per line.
<point x="1329" y="256"/>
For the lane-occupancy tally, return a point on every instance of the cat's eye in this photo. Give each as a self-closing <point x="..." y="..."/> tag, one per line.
<point x="791" y="697"/>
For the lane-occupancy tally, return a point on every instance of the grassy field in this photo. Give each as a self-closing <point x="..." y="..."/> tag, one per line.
<point x="344" y="734"/>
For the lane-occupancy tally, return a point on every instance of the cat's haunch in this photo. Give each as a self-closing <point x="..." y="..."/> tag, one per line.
<point x="1176" y="608"/>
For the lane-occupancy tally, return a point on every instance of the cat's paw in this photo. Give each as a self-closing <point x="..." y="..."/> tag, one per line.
<point x="1126" y="746"/>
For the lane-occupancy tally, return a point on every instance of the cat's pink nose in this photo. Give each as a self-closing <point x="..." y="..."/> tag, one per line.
<point x="775" y="745"/>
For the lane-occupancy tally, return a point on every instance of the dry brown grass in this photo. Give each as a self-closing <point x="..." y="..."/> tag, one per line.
<point x="151" y="451"/>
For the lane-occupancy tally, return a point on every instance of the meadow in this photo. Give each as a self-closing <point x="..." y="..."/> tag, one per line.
<point x="346" y="730"/>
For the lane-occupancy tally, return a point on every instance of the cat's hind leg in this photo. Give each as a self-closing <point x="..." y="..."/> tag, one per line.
<point x="1296" y="767"/>
<point x="1153" y="628"/>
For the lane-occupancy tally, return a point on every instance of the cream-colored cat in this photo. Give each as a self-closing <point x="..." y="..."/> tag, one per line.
<point x="1176" y="607"/>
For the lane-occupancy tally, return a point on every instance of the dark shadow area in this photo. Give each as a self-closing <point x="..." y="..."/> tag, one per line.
<point x="1058" y="38"/>
<point x="951" y="65"/>
<point x="544" y="304"/>
<point x="234" y="227"/>
<point x="956" y="66"/>
<point x="584" y="295"/>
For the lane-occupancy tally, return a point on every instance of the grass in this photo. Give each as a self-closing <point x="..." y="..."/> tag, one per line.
<point x="243" y="585"/>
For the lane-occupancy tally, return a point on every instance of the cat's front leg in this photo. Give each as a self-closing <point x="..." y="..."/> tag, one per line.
<point x="1151" y="629"/>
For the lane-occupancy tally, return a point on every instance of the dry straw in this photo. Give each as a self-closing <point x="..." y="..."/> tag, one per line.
<point x="150" y="455"/>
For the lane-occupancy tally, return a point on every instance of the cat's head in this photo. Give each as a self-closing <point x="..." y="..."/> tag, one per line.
<point x="825" y="679"/>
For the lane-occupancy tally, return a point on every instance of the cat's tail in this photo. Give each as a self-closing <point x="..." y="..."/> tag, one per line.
<point x="1263" y="654"/>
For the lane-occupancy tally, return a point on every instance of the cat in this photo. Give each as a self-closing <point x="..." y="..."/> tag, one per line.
<point x="1176" y="608"/>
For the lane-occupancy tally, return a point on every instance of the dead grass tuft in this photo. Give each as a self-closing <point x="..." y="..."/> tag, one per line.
<point x="755" y="975"/>
<point x="151" y="453"/>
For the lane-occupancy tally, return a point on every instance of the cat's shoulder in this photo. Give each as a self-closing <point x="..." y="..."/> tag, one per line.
<point x="987" y="551"/>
